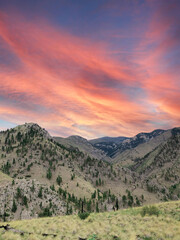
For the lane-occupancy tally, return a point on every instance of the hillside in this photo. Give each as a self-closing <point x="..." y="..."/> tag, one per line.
<point x="24" y="199"/>
<point x="120" y="225"/>
<point x="28" y="152"/>
<point x="66" y="171"/>
<point x="108" y="145"/>
<point x="161" y="167"/>
<point x="125" y="149"/>
<point x="140" y="145"/>
<point x="83" y="145"/>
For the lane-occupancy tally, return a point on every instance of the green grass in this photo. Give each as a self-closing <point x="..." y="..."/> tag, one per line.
<point x="124" y="224"/>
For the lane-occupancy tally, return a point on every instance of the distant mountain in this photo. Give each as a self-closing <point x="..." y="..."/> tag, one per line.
<point x="121" y="148"/>
<point x="108" y="140"/>
<point x="83" y="145"/>
<point x="109" y="145"/>
<point x="140" y="145"/>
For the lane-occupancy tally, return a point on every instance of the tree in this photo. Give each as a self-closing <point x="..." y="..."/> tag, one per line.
<point x="32" y="188"/>
<point x="59" y="180"/>
<point x="89" y="206"/>
<point x="40" y="192"/>
<point x="52" y="187"/>
<point x="46" y="213"/>
<point x="14" y="207"/>
<point x="82" y="207"/>
<point x="124" y="198"/>
<point x="117" y="204"/>
<point x="97" y="207"/>
<point x="96" y="182"/>
<point x="105" y="207"/>
<point x="25" y="201"/>
<point x="49" y="174"/>
<point x="18" y="195"/>
<point x="137" y="201"/>
<point x="94" y="195"/>
<point x="67" y="209"/>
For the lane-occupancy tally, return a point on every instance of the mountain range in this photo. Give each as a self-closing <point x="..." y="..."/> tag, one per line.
<point x="42" y="175"/>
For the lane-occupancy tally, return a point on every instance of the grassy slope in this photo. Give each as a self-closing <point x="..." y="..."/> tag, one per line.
<point x="4" y="178"/>
<point x="124" y="224"/>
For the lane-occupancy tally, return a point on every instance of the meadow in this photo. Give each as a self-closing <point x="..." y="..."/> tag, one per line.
<point x="127" y="224"/>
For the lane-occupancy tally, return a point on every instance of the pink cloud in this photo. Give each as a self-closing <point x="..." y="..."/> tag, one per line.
<point x="76" y="83"/>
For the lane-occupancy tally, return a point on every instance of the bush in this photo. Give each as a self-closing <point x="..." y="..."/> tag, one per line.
<point x="45" y="213"/>
<point x="83" y="215"/>
<point x="150" y="210"/>
<point x="92" y="237"/>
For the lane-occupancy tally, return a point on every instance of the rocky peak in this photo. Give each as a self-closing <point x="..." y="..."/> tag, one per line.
<point x="29" y="127"/>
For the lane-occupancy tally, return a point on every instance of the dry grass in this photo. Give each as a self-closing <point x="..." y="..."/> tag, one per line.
<point x="4" y="178"/>
<point x="124" y="224"/>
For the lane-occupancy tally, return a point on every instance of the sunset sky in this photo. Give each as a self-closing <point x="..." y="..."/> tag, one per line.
<point x="90" y="67"/>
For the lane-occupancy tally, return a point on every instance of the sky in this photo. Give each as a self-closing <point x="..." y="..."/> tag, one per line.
<point x="90" y="67"/>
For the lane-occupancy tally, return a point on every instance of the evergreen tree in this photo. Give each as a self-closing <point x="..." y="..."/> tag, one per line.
<point x="117" y="204"/>
<point x="14" y="207"/>
<point x="40" y="192"/>
<point x="97" y="207"/>
<point x="25" y="201"/>
<point x="59" y="180"/>
<point x="49" y="174"/>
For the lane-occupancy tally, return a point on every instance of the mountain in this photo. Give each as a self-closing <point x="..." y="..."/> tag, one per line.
<point x="70" y="172"/>
<point x="109" y="145"/>
<point x="29" y="153"/>
<point x="140" y="145"/>
<point x="108" y="140"/>
<point x="161" y="167"/>
<point x="83" y="145"/>
<point x="127" y="150"/>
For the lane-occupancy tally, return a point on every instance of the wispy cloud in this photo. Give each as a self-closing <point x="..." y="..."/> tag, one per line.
<point x="70" y="85"/>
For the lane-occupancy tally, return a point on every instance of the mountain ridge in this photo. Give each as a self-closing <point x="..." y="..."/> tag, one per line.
<point x="29" y="153"/>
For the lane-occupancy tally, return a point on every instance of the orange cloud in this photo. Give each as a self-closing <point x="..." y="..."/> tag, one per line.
<point x="68" y="84"/>
<point x="160" y="61"/>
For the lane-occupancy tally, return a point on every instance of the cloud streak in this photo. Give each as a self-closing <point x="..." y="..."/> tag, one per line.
<point x="71" y="85"/>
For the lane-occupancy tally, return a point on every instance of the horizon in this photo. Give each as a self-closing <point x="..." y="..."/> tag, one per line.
<point x="89" y="139"/>
<point x="90" y="68"/>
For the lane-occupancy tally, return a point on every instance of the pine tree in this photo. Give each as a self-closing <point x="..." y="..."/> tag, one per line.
<point x="97" y="207"/>
<point x="25" y="201"/>
<point x="40" y="193"/>
<point x="117" y="204"/>
<point x="59" y="180"/>
<point x="49" y="174"/>
<point x="14" y="207"/>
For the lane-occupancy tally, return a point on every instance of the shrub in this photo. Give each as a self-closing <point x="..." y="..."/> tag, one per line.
<point x="92" y="237"/>
<point x="45" y="213"/>
<point x="150" y="210"/>
<point x="83" y="215"/>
